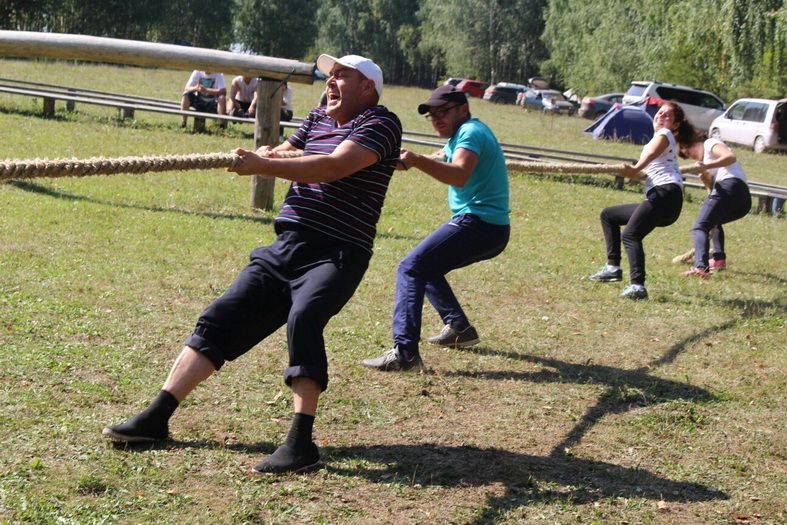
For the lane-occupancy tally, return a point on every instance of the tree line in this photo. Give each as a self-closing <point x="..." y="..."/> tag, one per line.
<point x="731" y="47"/>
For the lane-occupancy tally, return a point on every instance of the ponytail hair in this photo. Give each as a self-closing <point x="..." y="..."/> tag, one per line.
<point x="686" y="134"/>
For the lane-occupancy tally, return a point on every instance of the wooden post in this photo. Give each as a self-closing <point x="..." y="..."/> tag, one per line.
<point x="266" y="133"/>
<point x="199" y="124"/>
<point x="764" y="204"/>
<point x="128" y="113"/>
<point x="49" y="107"/>
<point x="70" y="105"/>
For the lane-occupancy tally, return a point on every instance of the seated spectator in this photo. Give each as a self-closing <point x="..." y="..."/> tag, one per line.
<point x="242" y="101"/>
<point x="205" y="92"/>
<point x="286" y="103"/>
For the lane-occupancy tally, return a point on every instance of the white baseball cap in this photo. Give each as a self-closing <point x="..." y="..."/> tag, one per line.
<point x="366" y="67"/>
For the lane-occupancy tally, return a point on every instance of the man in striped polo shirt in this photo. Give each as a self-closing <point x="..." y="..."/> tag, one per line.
<point x="326" y="228"/>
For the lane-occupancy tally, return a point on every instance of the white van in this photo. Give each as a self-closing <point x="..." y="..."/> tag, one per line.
<point x="701" y="107"/>
<point x="756" y="122"/>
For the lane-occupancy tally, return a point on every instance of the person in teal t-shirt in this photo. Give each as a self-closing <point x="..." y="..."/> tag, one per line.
<point x="473" y="167"/>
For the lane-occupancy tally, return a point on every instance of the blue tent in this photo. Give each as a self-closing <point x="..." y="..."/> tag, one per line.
<point x="633" y="123"/>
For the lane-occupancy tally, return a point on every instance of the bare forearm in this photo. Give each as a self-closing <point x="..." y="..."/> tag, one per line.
<point x="312" y="168"/>
<point x="652" y="150"/>
<point x="455" y="173"/>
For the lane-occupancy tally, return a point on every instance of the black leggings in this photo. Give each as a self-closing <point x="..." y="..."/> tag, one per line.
<point x="660" y="208"/>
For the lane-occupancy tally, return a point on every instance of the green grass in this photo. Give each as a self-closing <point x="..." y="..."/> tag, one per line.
<point x="578" y="407"/>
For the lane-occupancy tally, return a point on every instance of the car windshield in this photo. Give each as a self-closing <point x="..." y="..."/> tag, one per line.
<point x="636" y="90"/>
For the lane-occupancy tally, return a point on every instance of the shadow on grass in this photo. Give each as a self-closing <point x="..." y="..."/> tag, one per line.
<point x="57" y="194"/>
<point x="751" y="276"/>
<point x="176" y="444"/>
<point x="527" y="479"/>
<point x="574" y="479"/>
<point x="626" y="389"/>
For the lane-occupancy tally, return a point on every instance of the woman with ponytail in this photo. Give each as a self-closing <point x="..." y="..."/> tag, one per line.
<point x="658" y="164"/>
<point x="729" y="200"/>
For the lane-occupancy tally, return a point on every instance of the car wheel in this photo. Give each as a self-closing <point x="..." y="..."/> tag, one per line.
<point x="715" y="133"/>
<point x="759" y="145"/>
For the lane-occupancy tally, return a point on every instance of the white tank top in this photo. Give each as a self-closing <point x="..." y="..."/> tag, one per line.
<point x="663" y="169"/>
<point x="733" y="171"/>
<point x="246" y="91"/>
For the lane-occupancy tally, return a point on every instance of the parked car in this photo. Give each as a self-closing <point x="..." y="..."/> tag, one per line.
<point x="594" y="107"/>
<point x="453" y="81"/>
<point x="756" y="122"/>
<point x="555" y="102"/>
<point x="701" y="107"/>
<point x="503" y="92"/>
<point x="547" y="100"/>
<point x="537" y="83"/>
<point x="474" y="88"/>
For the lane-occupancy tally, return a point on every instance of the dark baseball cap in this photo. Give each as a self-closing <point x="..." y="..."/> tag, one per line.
<point x="442" y="95"/>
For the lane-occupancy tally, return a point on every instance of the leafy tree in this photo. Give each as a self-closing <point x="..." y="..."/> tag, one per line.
<point x="731" y="47"/>
<point x="24" y="15"/>
<point x="602" y="46"/>
<point x="277" y="28"/>
<point x="202" y="23"/>
<point x="385" y="30"/>
<point x="487" y="39"/>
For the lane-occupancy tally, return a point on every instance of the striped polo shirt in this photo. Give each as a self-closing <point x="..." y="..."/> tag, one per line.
<point x="349" y="208"/>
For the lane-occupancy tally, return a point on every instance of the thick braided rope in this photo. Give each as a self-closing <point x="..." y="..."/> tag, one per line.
<point x="29" y="169"/>
<point x="576" y="168"/>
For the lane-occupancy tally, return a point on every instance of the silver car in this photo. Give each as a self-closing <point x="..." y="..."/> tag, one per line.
<point x="756" y="122"/>
<point x="701" y="107"/>
<point x="553" y="101"/>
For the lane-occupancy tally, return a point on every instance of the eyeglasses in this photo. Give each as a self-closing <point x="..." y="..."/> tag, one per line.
<point x="440" y="113"/>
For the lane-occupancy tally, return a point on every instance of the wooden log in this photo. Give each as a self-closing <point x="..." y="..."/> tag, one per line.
<point x="266" y="133"/>
<point x="117" y="51"/>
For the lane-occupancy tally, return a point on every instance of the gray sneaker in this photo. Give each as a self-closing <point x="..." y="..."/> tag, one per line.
<point x="607" y="275"/>
<point x="635" y="292"/>
<point x="393" y="361"/>
<point x="453" y="339"/>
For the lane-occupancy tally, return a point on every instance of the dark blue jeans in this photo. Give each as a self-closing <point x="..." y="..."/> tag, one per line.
<point x="462" y="241"/>
<point x="729" y="201"/>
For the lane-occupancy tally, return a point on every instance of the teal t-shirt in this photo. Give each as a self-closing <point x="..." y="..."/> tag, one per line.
<point x="486" y="191"/>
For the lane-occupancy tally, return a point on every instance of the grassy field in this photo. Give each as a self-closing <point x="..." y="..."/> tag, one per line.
<point x="578" y="407"/>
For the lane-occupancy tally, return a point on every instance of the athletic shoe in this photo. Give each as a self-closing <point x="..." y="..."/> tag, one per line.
<point x="286" y="459"/>
<point x="635" y="292"/>
<point x="607" y="275"/>
<point x="717" y="264"/>
<point x="393" y="361"/>
<point x="686" y="258"/>
<point x="138" y="429"/>
<point x="696" y="272"/>
<point x="449" y="337"/>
